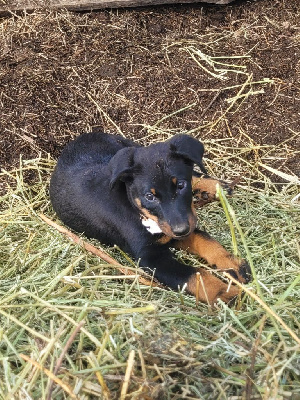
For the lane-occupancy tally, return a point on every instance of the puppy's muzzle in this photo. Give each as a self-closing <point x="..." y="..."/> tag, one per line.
<point x="181" y="230"/>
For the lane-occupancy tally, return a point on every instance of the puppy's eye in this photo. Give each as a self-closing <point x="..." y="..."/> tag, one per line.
<point x="181" y="185"/>
<point x="150" y="197"/>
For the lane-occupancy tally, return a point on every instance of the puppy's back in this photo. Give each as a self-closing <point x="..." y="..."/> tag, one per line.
<point x="91" y="149"/>
<point x="79" y="179"/>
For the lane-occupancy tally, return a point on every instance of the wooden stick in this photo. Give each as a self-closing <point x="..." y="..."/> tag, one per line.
<point x="144" y="280"/>
<point x="12" y="6"/>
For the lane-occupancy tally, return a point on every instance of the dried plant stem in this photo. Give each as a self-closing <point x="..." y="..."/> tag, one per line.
<point x="100" y="253"/>
<point x="225" y="205"/>
<point x="231" y="218"/>
<point x="129" y="368"/>
<point x="105" y="390"/>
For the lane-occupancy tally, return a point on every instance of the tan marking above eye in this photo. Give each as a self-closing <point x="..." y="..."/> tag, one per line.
<point x="174" y="180"/>
<point x="153" y="191"/>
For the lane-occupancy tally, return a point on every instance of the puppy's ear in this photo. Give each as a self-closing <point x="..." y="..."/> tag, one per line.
<point x="189" y="148"/>
<point x="121" y="166"/>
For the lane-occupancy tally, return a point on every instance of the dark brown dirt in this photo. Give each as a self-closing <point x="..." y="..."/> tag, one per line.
<point x="64" y="73"/>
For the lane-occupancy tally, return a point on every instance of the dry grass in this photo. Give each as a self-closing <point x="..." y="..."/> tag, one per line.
<point x="65" y="318"/>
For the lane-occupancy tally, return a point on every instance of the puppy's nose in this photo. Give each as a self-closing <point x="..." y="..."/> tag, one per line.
<point x="181" y="229"/>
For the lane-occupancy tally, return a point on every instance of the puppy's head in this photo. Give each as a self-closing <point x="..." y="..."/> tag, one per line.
<point x="158" y="181"/>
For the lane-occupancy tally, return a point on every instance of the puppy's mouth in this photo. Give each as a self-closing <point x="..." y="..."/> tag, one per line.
<point x="182" y="236"/>
<point x="154" y="227"/>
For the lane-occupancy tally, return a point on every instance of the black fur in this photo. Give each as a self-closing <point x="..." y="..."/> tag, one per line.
<point x="103" y="183"/>
<point x="97" y="179"/>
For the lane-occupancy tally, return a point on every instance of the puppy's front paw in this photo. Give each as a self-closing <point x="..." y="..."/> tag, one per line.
<point x="227" y="187"/>
<point x="205" y="189"/>
<point x="245" y="271"/>
<point x="242" y="272"/>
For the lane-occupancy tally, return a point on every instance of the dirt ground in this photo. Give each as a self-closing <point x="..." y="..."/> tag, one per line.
<point x="152" y="71"/>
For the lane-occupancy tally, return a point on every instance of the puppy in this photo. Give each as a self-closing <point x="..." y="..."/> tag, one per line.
<point x="141" y="199"/>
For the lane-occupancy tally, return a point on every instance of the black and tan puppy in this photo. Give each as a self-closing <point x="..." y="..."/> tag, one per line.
<point x="141" y="199"/>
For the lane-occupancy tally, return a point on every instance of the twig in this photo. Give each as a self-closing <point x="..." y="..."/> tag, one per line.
<point x="144" y="280"/>
<point x="290" y="178"/>
<point x="236" y="181"/>
<point x="210" y="104"/>
<point x="62" y="355"/>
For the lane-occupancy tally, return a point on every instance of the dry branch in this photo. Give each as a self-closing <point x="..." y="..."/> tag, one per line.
<point x="8" y="6"/>
<point x="144" y="280"/>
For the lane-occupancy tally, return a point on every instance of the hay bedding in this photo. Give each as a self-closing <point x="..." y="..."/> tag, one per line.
<point x="150" y="73"/>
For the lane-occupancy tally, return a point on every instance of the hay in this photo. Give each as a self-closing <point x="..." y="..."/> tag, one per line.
<point x="133" y="341"/>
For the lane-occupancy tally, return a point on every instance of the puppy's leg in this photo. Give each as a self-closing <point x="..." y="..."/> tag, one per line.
<point x="210" y="288"/>
<point x="205" y="189"/>
<point x="174" y="274"/>
<point x="201" y="244"/>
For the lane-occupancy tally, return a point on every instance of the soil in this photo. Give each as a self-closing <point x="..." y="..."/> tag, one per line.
<point x="133" y="71"/>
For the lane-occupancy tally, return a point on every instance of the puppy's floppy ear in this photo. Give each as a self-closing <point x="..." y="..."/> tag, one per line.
<point x="189" y="148"/>
<point x="121" y="166"/>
